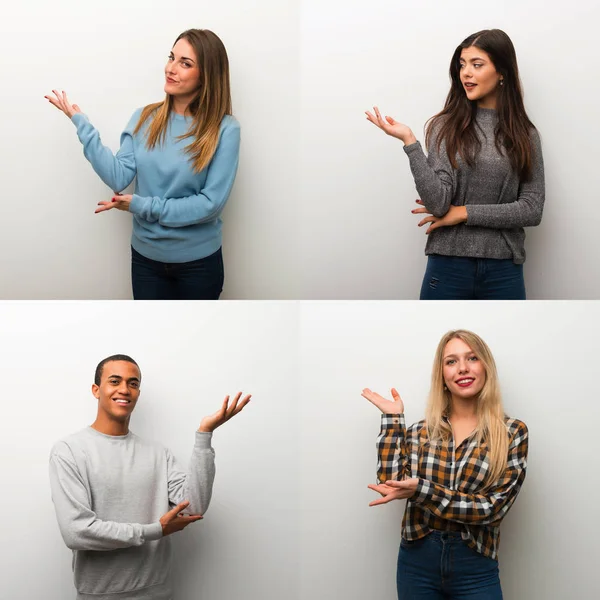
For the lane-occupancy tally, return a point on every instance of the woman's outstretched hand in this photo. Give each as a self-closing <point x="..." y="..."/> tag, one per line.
<point x="391" y="127"/>
<point x="62" y="103"/>
<point x="455" y="216"/>
<point x="387" y="407"/>
<point x="119" y="201"/>
<point x="394" y="490"/>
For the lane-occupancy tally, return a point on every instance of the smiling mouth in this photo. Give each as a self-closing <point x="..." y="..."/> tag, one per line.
<point x="466" y="382"/>
<point x="470" y="86"/>
<point x="122" y="401"/>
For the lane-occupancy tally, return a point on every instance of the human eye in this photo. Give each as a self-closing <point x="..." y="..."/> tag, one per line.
<point x="473" y="358"/>
<point x="171" y="57"/>
<point x="134" y="384"/>
<point x="113" y="381"/>
<point x="477" y="65"/>
<point x="450" y="361"/>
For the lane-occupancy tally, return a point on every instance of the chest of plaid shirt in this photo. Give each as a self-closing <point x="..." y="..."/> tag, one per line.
<point x="449" y="493"/>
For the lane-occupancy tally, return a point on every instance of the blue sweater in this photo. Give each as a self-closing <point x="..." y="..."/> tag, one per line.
<point x="176" y="212"/>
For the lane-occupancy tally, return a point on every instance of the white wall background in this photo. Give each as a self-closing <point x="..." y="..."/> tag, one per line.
<point x="109" y="57"/>
<point x="290" y="516"/>
<point x="547" y="359"/>
<point x="191" y="356"/>
<point x="363" y="242"/>
<point x="321" y="206"/>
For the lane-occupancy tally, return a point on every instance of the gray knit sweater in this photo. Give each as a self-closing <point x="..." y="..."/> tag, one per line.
<point x="498" y="204"/>
<point x="109" y="493"/>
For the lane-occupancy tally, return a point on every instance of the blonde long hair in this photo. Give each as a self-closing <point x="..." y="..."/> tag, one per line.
<point x="208" y="108"/>
<point x="491" y="426"/>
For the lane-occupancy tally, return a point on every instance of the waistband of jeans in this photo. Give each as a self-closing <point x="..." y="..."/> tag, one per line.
<point x="446" y="535"/>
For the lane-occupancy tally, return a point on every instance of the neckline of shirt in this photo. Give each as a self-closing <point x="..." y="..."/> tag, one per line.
<point x="110" y="437"/>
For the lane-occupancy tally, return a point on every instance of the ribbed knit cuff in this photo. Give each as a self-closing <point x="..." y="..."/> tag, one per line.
<point x="203" y="439"/>
<point x="152" y="532"/>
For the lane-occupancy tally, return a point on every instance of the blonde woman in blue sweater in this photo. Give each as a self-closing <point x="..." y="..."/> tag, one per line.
<point x="184" y="155"/>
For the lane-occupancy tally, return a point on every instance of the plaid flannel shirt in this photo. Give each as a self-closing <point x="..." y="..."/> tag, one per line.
<point x="448" y="494"/>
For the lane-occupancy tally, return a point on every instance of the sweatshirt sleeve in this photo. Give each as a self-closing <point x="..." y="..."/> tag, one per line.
<point x="526" y="210"/>
<point x="116" y="171"/>
<point x="195" y="486"/>
<point x="393" y="449"/>
<point x="79" y="526"/>
<point x="209" y="203"/>
<point x="479" y="509"/>
<point x="435" y="178"/>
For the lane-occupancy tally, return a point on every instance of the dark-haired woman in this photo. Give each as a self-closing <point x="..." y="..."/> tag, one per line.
<point x="184" y="153"/>
<point x="483" y="179"/>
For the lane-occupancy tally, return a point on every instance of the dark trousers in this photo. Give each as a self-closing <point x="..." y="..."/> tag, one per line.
<point x="441" y="566"/>
<point x="460" y="278"/>
<point x="200" y="279"/>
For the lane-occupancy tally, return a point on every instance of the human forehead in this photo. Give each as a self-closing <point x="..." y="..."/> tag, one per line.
<point x="120" y="368"/>
<point x="185" y="49"/>
<point x="473" y="53"/>
<point x="456" y="346"/>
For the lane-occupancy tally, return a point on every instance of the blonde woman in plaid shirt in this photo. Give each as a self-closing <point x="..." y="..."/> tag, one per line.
<point x="460" y="468"/>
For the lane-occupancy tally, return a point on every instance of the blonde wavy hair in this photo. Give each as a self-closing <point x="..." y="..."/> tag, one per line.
<point x="491" y="427"/>
<point x="208" y="108"/>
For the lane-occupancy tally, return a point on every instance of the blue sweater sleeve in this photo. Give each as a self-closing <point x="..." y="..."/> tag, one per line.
<point x="116" y="171"/>
<point x="208" y="204"/>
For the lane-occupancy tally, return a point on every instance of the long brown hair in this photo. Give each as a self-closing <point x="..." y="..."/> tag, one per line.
<point x="455" y="124"/>
<point x="491" y="426"/>
<point x="208" y="108"/>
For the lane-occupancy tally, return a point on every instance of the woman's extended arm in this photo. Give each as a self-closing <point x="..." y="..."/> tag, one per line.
<point x="116" y="171"/>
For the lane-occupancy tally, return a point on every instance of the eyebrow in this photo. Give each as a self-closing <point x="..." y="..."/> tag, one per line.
<point x="184" y="58"/>
<point x="461" y="59"/>
<point x="456" y="355"/>
<point x="119" y="377"/>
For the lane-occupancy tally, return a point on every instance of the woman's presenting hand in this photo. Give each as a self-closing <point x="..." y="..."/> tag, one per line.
<point x="62" y="103"/>
<point x="394" y="490"/>
<point x="387" y="407"/>
<point x="391" y="127"/>
<point x="119" y="201"/>
<point x="454" y="216"/>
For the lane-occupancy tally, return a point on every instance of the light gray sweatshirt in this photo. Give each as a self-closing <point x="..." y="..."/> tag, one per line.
<point x="499" y="205"/>
<point x="109" y="493"/>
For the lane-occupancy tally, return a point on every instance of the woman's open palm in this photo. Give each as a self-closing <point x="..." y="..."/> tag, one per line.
<point x="387" y="407"/>
<point x="62" y="103"/>
<point x="389" y="125"/>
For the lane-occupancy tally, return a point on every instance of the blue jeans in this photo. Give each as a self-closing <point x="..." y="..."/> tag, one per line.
<point x="441" y="566"/>
<point x="200" y="279"/>
<point x="460" y="278"/>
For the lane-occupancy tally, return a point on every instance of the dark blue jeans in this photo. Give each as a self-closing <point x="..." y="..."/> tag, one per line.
<point x="200" y="279"/>
<point x="441" y="566"/>
<point x="460" y="278"/>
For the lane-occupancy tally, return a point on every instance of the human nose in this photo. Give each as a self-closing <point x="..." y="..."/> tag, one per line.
<point x="123" y="388"/>
<point x="463" y="366"/>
